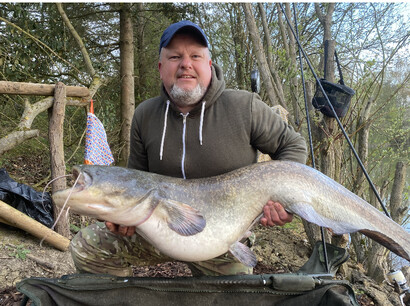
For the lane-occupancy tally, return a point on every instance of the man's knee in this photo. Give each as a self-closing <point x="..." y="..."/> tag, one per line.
<point x="96" y="250"/>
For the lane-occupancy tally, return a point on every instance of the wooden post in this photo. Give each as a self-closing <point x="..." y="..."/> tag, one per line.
<point x="56" y="137"/>
<point x="11" y="216"/>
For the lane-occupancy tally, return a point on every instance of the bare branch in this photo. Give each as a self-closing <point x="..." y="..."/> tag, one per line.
<point x="78" y="39"/>
<point x="15" y="138"/>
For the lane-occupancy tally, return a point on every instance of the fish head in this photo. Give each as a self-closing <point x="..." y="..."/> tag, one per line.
<point x="105" y="192"/>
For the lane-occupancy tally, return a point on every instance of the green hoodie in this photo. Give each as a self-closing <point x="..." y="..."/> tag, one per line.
<point x="222" y="133"/>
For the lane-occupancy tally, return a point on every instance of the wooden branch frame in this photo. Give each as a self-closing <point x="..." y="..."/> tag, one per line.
<point x="56" y="136"/>
<point x="79" y="96"/>
<point x="20" y="88"/>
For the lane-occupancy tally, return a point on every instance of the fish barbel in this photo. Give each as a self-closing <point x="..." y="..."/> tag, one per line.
<point x="200" y="219"/>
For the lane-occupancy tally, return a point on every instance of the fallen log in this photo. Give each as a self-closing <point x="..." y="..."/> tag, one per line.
<point x="13" y="217"/>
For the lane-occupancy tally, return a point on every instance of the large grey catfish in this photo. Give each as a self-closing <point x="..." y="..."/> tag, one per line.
<point x="199" y="219"/>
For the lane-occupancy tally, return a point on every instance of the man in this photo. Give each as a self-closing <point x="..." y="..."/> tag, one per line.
<point x="195" y="128"/>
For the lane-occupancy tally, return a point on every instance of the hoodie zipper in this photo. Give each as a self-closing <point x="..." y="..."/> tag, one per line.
<point x="184" y="116"/>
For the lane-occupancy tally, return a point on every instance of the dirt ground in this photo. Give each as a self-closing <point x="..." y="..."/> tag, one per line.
<point x="278" y="249"/>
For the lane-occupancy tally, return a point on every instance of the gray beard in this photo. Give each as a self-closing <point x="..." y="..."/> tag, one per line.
<point x="183" y="97"/>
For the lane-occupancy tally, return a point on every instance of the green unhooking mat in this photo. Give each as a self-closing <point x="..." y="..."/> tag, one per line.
<point x="267" y="289"/>
<point x="313" y="285"/>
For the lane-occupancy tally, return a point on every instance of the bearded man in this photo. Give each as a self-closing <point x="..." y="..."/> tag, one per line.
<point x="195" y="128"/>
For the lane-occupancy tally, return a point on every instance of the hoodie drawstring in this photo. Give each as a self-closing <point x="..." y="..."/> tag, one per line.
<point x="201" y="122"/>
<point x="164" y="131"/>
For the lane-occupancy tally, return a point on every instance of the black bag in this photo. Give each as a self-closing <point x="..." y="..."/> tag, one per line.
<point x="26" y="199"/>
<point x="339" y="96"/>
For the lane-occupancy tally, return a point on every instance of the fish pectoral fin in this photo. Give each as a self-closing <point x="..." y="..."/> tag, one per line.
<point x="244" y="254"/>
<point x="182" y="218"/>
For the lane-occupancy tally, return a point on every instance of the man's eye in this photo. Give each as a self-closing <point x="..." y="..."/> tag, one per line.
<point x="174" y="57"/>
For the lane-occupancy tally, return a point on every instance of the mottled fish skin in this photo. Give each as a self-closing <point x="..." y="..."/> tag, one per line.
<point x="199" y="219"/>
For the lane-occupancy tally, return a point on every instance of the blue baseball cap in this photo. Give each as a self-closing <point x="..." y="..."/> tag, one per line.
<point x="175" y="27"/>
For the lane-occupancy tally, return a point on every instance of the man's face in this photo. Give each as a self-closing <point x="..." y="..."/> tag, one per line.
<point x="185" y="66"/>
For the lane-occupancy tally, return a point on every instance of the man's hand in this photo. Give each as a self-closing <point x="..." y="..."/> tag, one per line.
<point x="275" y="214"/>
<point x="120" y="229"/>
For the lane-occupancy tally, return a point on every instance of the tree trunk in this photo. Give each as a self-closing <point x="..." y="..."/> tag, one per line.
<point x="363" y="125"/>
<point x="276" y="82"/>
<point x="398" y="208"/>
<point x="140" y="54"/>
<point x="238" y="36"/>
<point x="312" y="230"/>
<point x="328" y="132"/>
<point x="359" y="185"/>
<point x="260" y="54"/>
<point x="127" y="80"/>
<point x="377" y="255"/>
<point x="293" y="66"/>
<point x="56" y="136"/>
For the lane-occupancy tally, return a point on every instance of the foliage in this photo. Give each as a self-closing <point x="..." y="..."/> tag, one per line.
<point x="19" y="252"/>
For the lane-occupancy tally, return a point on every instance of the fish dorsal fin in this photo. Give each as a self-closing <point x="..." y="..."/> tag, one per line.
<point x="181" y="218"/>
<point x="244" y="254"/>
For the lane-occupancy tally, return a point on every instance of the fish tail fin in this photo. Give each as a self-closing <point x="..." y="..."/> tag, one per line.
<point x="400" y="248"/>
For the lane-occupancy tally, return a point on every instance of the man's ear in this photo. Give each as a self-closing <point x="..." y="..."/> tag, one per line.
<point x="159" y="69"/>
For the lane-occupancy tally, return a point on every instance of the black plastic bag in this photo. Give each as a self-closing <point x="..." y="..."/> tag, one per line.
<point x="26" y="199"/>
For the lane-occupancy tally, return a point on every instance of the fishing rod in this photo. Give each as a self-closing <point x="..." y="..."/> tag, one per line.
<point x="335" y="114"/>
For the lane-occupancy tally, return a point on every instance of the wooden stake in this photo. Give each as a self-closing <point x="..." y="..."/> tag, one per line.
<point x="16" y="218"/>
<point x="56" y="137"/>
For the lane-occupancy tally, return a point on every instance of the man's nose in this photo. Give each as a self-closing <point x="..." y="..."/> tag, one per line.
<point x="186" y="62"/>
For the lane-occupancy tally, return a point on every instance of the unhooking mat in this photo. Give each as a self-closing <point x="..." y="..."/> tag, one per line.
<point x="267" y="289"/>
